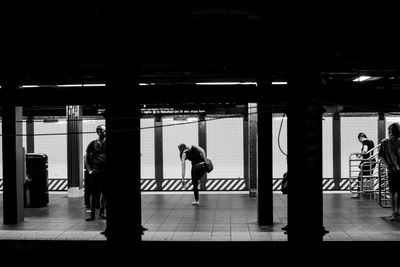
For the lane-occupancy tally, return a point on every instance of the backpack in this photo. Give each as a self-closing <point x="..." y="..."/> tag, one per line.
<point x="209" y="165"/>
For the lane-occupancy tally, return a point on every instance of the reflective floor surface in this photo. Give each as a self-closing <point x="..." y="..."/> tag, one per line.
<point x="219" y="217"/>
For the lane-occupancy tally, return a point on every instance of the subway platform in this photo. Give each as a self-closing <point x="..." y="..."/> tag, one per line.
<point x="221" y="216"/>
<point x="223" y="229"/>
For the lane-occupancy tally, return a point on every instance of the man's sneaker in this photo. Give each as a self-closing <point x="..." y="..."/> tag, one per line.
<point x="355" y="196"/>
<point x="91" y="218"/>
<point x="393" y="217"/>
<point x="196" y="203"/>
<point x="105" y="233"/>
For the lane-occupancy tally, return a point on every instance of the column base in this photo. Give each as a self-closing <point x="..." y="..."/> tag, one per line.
<point x="253" y="193"/>
<point x="75" y="192"/>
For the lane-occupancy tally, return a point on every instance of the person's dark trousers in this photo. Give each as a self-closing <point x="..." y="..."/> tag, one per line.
<point x="94" y="194"/>
<point x="87" y="190"/>
<point x="195" y="183"/>
<point x="94" y="199"/>
<point x="103" y="204"/>
<point x="103" y="195"/>
<point x="197" y="172"/>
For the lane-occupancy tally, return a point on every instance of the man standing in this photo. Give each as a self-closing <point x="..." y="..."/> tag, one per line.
<point x="95" y="163"/>
<point x="389" y="153"/>
<point x="366" y="168"/>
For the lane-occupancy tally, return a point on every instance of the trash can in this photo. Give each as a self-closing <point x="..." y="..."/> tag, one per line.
<point x="36" y="190"/>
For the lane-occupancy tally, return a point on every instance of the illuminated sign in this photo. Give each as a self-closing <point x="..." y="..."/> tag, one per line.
<point x="170" y="111"/>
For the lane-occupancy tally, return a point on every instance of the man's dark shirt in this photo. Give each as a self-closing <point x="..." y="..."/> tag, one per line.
<point x="96" y="155"/>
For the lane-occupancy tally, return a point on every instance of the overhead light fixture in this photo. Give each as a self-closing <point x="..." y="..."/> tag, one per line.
<point x="69" y="85"/>
<point x="29" y="86"/>
<point x="226" y="83"/>
<point x="362" y="78"/>
<point x="217" y="83"/>
<point x="94" y="85"/>
<point x="279" y="83"/>
<point x="238" y="83"/>
<point x="248" y="83"/>
<point x="82" y="85"/>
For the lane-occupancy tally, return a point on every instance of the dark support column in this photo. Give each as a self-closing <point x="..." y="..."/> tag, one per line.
<point x="123" y="182"/>
<point x="203" y="144"/>
<point x="252" y="159"/>
<point x="337" y="157"/>
<point x="305" y="172"/>
<point x="264" y="125"/>
<point x="74" y="151"/>
<point x="13" y="165"/>
<point x="13" y="153"/>
<point x="264" y="185"/>
<point x="305" y="198"/>
<point x="30" y="138"/>
<point x="158" y="152"/>
<point x="122" y="114"/>
<point x="381" y="128"/>
<point x="246" y="149"/>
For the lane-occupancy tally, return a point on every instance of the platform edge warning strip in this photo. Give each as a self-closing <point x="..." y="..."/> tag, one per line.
<point x="223" y="184"/>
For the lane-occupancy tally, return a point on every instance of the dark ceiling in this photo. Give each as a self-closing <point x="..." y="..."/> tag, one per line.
<point x="180" y="43"/>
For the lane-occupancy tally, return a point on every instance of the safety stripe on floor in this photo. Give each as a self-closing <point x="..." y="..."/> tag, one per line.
<point x="58" y="184"/>
<point x="211" y="185"/>
<point x="328" y="184"/>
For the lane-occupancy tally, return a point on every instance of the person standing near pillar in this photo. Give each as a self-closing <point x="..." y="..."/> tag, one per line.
<point x="366" y="168"/>
<point x="389" y="153"/>
<point x="95" y="164"/>
<point x="197" y="156"/>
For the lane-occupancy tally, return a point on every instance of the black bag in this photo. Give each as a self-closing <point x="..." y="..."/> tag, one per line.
<point x="209" y="165"/>
<point x="284" y="186"/>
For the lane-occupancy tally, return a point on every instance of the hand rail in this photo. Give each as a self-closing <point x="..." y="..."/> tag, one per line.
<point x="361" y="182"/>
<point x="383" y="194"/>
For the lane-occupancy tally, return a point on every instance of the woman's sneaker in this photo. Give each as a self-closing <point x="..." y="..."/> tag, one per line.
<point x="195" y="203"/>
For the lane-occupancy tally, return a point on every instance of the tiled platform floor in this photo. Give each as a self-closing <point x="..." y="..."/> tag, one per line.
<point x="220" y="217"/>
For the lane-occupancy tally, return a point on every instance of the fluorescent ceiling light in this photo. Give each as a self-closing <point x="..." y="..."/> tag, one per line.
<point x="29" y="86"/>
<point x="225" y="83"/>
<point x="94" y="85"/>
<point x="362" y="78"/>
<point x="279" y="83"/>
<point x="248" y="83"/>
<point x="143" y="84"/>
<point x="69" y="85"/>
<point x="236" y="83"/>
<point x="217" y="83"/>
<point x="82" y="85"/>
